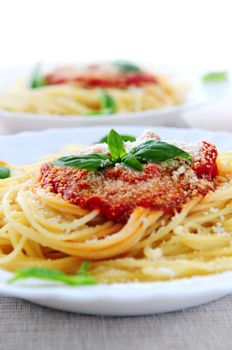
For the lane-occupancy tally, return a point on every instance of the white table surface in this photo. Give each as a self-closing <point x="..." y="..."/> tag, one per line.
<point x="216" y="116"/>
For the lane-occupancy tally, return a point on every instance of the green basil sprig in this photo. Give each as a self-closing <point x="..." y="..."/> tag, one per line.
<point x="107" y="104"/>
<point x="116" y="145"/>
<point x="82" y="277"/>
<point x="158" y="152"/>
<point x="127" y="67"/>
<point x="125" y="138"/>
<point x="89" y="162"/>
<point x="151" y="151"/>
<point x="37" y="80"/>
<point x="132" y="162"/>
<point x="4" y="172"/>
<point x="215" y="77"/>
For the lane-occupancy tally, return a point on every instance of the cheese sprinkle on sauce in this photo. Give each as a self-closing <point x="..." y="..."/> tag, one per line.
<point x="117" y="191"/>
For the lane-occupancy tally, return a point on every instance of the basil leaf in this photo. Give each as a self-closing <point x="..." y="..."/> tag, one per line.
<point x="93" y="113"/>
<point x="127" y="67"/>
<point x="108" y="104"/>
<point x="116" y="145"/>
<point x="158" y="151"/>
<point x="37" y="79"/>
<point x="4" y="172"/>
<point x="89" y="162"/>
<point x="54" y="275"/>
<point x="150" y="151"/>
<point x="125" y="138"/>
<point x="101" y="112"/>
<point x="214" y="77"/>
<point x="132" y="162"/>
<point x="83" y="271"/>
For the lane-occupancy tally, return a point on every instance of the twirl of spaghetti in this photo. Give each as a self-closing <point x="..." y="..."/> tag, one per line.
<point x="177" y="236"/>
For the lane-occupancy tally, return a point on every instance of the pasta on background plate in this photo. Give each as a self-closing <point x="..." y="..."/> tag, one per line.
<point x="94" y="89"/>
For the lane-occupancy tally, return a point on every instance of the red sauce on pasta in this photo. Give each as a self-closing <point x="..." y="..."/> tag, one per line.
<point x="100" y="77"/>
<point x="117" y="191"/>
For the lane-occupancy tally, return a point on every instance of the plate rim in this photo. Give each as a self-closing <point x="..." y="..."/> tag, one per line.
<point x="120" y="292"/>
<point x="191" y="76"/>
<point x="166" y="111"/>
<point x="120" y="126"/>
<point x="197" y="285"/>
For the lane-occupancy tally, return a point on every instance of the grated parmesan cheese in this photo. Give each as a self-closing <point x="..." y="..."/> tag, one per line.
<point x="166" y="271"/>
<point x="213" y="210"/>
<point x="118" y="190"/>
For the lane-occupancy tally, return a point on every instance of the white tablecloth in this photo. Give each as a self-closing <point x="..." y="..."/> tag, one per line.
<point x="216" y="116"/>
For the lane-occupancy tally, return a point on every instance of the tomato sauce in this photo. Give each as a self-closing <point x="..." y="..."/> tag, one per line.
<point x="97" y="77"/>
<point x="117" y="191"/>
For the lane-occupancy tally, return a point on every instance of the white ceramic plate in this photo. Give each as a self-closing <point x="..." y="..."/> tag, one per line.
<point x="118" y="299"/>
<point x="199" y="94"/>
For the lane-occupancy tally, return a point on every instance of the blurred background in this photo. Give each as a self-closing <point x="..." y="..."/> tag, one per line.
<point x="183" y="33"/>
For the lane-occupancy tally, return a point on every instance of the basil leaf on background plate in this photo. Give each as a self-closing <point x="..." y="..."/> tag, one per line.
<point x="37" y="80"/>
<point x="107" y="104"/>
<point x="127" y="67"/>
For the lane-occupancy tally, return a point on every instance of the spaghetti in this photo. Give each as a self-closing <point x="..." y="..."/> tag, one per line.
<point x="81" y="90"/>
<point x="43" y="226"/>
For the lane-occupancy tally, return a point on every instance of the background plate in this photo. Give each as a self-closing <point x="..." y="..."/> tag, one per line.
<point x="198" y="95"/>
<point x="118" y="299"/>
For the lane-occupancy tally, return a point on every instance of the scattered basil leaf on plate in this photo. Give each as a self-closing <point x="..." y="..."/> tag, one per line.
<point x="215" y="77"/>
<point x="4" y="172"/>
<point x="82" y="277"/>
<point x="93" y="113"/>
<point x="127" y="67"/>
